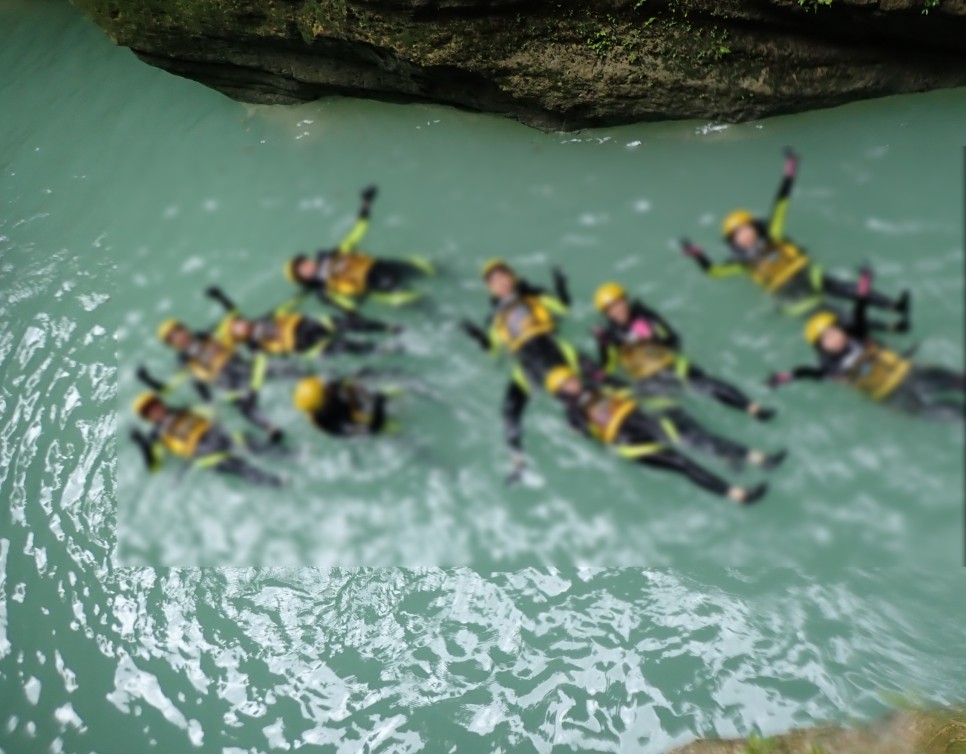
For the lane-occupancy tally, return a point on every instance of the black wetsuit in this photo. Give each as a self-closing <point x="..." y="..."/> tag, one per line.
<point x="536" y="357"/>
<point x="639" y="429"/>
<point x="214" y="442"/>
<point x="931" y="391"/>
<point x="350" y="410"/>
<point x="323" y="335"/>
<point x="809" y="283"/>
<point x="682" y="372"/>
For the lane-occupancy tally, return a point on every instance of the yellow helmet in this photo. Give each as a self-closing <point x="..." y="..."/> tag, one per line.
<point x="492" y="265"/>
<point x="143" y="402"/>
<point x="607" y="294"/>
<point x="166" y="328"/>
<point x="556" y="377"/>
<point x="817" y="324"/>
<point x="309" y="394"/>
<point x="735" y="220"/>
<point x="291" y="273"/>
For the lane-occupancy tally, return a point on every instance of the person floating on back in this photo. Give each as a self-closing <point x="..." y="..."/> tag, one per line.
<point x="760" y="249"/>
<point x="284" y="332"/>
<point x="848" y="354"/>
<point x="616" y="420"/>
<point x="522" y="321"/>
<point x="341" y="408"/>
<point x="193" y="437"/>
<point x="214" y="362"/>
<point x="345" y="276"/>
<point x="639" y="342"/>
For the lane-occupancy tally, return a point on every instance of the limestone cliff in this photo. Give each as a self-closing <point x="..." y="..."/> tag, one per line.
<point x="554" y="63"/>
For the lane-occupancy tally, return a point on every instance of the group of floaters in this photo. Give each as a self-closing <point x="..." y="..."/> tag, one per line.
<point x="622" y="396"/>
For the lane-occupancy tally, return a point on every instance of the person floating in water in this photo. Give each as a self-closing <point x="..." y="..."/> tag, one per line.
<point x="344" y="276"/>
<point x="760" y="249"/>
<point x="215" y="362"/>
<point x="616" y="420"/>
<point x="195" y="438"/>
<point x="343" y="407"/>
<point x="639" y="341"/>
<point x="284" y="332"/>
<point x="523" y="322"/>
<point x="848" y="354"/>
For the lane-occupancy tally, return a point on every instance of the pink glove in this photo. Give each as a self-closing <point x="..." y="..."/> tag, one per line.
<point x="642" y="329"/>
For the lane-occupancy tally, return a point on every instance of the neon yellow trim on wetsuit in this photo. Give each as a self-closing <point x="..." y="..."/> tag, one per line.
<point x="815" y="275"/>
<point x="682" y="367"/>
<point x="176" y="379"/>
<point x="210" y="460"/>
<point x="638" y="451"/>
<point x="156" y="451"/>
<point x="727" y="270"/>
<point x="658" y="403"/>
<point x="776" y="226"/>
<point x="344" y="301"/>
<point x="355" y="236"/>
<point x="569" y="352"/>
<point x="554" y="305"/>
<point x="287" y="307"/>
<point x="802" y="307"/>
<point x="520" y="378"/>
<point x="397" y="298"/>
<point x="259" y="365"/>
<point x="223" y="330"/>
<point x="422" y="264"/>
<point x="317" y="349"/>
<point x="670" y="430"/>
<point x="613" y="361"/>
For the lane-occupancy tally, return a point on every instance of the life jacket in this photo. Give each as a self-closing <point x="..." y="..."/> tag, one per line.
<point x="878" y="372"/>
<point x="276" y="335"/>
<point x="357" y="399"/>
<point x="777" y="264"/>
<point x="181" y="432"/>
<point x="643" y="359"/>
<point x="520" y="320"/>
<point x="207" y="357"/>
<point x="606" y="414"/>
<point x="345" y="273"/>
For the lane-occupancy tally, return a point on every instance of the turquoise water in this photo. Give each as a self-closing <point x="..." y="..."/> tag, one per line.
<point x="126" y="191"/>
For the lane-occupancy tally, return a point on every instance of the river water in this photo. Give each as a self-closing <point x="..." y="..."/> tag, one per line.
<point x="321" y="621"/>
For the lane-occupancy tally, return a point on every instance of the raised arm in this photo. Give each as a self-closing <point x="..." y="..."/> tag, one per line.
<point x="560" y="286"/>
<point x="149" y="447"/>
<point x="711" y="269"/>
<point x="776" y="223"/>
<point x="358" y="232"/>
<point x="478" y="334"/>
<point x="217" y="294"/>
<point x="798" y="373"/>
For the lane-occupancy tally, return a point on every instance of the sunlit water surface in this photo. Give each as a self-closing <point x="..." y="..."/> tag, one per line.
<point x="126" y="191"/>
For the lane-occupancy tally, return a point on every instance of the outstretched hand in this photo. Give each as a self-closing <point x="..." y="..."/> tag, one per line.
<point x="791" y="162"/>
<point x="691" y="249"/>
<point x="369" y="193"/>
<point x="865" y="280"/>
<point x="779" y="378"/>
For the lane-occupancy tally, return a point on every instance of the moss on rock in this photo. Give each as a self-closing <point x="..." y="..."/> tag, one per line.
<point x="554" y="63"/>
<point x="941" y="731"/>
